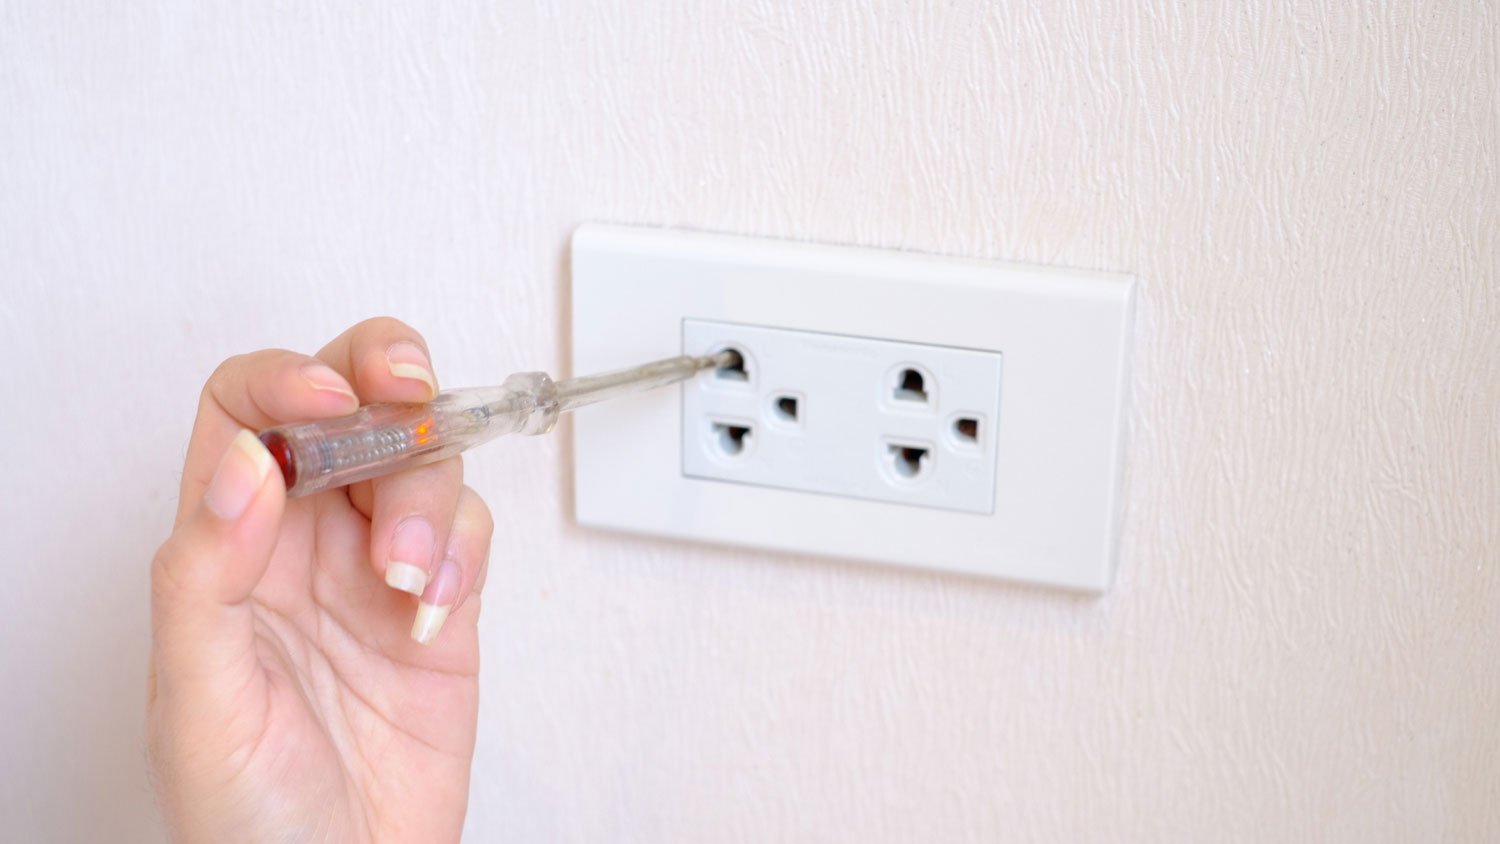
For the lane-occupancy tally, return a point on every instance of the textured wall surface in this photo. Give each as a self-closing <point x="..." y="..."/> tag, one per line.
<point x="1304" y="642"/>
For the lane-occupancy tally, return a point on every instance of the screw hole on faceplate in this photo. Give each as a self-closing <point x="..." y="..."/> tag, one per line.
<point x="966" y="430"/>
<point x="911" y="386"/>
<point x="787" y="409"/>
<point x="731" y="438"/>
<point x="735" y="370"/>
<point x="908" y="461"/>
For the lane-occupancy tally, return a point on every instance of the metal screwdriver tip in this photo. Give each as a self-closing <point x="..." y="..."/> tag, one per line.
<point x="725" y="359"/>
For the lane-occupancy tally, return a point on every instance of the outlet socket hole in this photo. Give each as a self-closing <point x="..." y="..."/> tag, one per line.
<point x="786" y="408"/>
<point x="966" y="430"/>
<point x="730" y="438"/>
<point x="911" y="386"/>
<point x="735" y="370"/>
<point x="908" y="461"/>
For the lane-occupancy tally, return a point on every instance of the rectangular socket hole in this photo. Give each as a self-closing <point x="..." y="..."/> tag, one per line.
<point x="908" y="461"/>
<point x="786" y="408"/>
<point x="730" y="438"/>
<point x="966" y="430"/>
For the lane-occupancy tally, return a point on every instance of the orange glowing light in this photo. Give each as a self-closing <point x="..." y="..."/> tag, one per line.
<point x="423" y="431"/>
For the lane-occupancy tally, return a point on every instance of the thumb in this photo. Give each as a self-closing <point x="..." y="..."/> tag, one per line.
<point x="204" y="573"/>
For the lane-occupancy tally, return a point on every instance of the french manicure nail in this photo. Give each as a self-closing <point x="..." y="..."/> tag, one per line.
<point x="407" y="360"/>
<point x="405" y="577"/>
<point x="437" y="601"/>
<point x="428" y="622"/>
<point x="243" y="467"/>
<point x="322" y="378"/>
<point x="411" y="549"/>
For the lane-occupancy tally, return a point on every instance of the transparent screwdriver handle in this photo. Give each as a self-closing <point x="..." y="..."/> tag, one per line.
<point x="381" y="438"/>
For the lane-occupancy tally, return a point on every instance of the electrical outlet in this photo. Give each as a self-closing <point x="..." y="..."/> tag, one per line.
<point x="895" y="408"/>
<point x="824" y="413"/>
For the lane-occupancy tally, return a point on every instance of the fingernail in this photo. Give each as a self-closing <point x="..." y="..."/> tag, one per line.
<point x="437" y="601"/>
<point x="411" y="552"/>
<point x="324" y="379"/>
<point x="407" y="360"/>
<point x="241" y="470"/>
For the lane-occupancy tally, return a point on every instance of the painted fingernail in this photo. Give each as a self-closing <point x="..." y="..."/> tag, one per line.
<point x="407" y="360"/>
<point x="437" y="601"/>
<point x="243" y="467"/>
<point x="411" y="551"/>
<point x="324" y="379"/>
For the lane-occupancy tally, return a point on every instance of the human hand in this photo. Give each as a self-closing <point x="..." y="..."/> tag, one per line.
<point x="287" y="700"/>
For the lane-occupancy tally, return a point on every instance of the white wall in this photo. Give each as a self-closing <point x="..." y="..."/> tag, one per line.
<point x="1304" y="639"/>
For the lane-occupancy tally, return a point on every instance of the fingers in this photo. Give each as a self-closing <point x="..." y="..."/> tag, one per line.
<point x="384" y="359"/>
<point x="256" y="391"/>
<point x="378" y="360"/>
<point x="410" y="512"/>
<point x="462" y="570"/>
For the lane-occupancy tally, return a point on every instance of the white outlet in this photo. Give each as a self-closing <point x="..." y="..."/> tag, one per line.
<point x="825" y="446"/>
<point x="874" y="419"/>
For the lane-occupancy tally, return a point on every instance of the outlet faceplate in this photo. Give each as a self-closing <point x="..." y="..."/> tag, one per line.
<point x="873" y="419"/>
<point x="720" y="465"/>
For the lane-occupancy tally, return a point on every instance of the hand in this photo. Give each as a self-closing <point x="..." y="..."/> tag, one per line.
<point x="287" y="701"/>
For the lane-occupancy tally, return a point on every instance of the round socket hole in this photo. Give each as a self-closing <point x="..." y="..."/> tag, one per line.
<point x="966" y="431"/>
<point x="911" y="385"/>
<point x="730" y="439"/>
<point x="736" y="371"/>
<point x="787" y="409"/>
<point x="908" y="461"/>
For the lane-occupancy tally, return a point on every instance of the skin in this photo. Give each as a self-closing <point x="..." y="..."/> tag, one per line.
<point x="287" y="698"/>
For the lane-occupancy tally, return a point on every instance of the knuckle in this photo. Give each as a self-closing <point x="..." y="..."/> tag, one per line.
<point x="385" y="326"/>
<point x="222" y="373"/>
<point x="242" y="368"/>
<point x="236" y="380"/>
<point x="484" y="521"/>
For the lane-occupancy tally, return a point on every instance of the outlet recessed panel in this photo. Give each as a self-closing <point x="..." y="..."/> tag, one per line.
<point x="849" y="416"/>
<point x="894" y="408"/>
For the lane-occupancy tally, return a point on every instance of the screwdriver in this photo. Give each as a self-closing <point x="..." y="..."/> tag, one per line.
<point x="379" y="439"/>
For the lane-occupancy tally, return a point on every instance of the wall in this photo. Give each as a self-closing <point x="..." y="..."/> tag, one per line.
<point x="1303" y="639"/>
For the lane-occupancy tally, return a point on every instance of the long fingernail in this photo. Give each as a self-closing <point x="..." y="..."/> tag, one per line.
<point x="411" y="551"/>
<point x="243" y="467"/>
<point x="407" y="360"/>
<point x="437" y="602"/>
<point x="323" y="379"/>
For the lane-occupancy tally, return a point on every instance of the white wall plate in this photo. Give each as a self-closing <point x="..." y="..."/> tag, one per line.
<point x="1049" y="435"/>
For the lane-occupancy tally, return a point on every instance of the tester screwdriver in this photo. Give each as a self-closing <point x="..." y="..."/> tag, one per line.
<point x="379" y="439"/>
